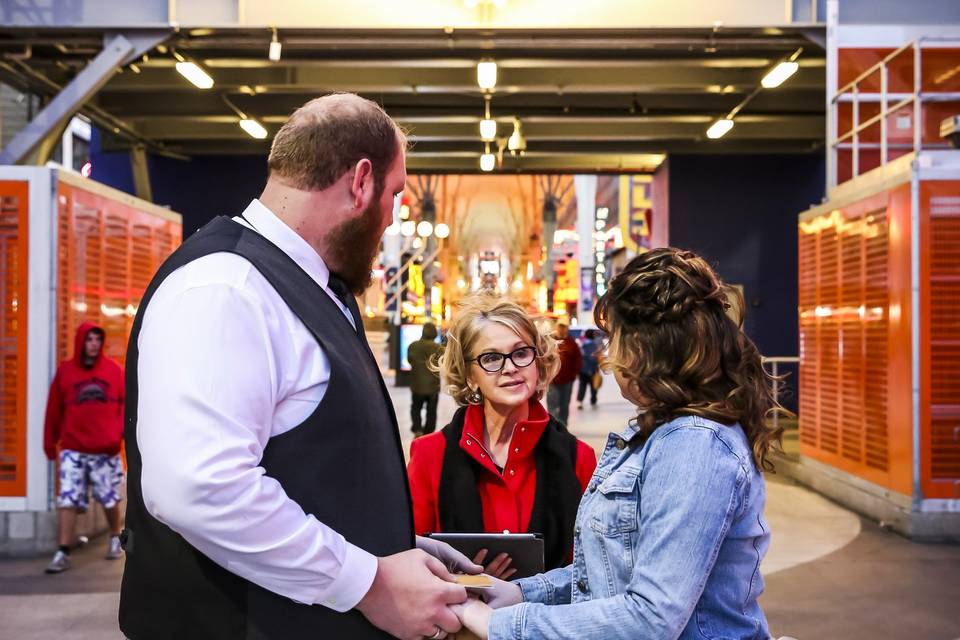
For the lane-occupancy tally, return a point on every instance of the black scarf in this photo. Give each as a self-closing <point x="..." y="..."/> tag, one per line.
<point x="555" y="501"/>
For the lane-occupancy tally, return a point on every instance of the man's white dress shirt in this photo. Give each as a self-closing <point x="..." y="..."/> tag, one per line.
<point x="224" y="366"/>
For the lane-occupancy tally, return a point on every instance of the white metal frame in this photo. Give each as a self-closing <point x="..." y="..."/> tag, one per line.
<point x="851" y="93"/>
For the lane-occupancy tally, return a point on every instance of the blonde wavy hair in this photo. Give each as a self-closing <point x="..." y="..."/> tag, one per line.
<point x="473" y="314"/>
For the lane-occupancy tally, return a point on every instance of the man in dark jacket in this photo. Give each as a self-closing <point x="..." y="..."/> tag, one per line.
<point x="83" y="430"/>
<point x="561" y="388"/>
<point x="424" y="383"/>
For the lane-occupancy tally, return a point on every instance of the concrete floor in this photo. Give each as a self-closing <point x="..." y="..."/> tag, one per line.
<point x="829" y="573"/>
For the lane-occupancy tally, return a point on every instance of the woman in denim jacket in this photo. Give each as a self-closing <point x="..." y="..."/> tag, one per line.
<point x="670" y="533"/>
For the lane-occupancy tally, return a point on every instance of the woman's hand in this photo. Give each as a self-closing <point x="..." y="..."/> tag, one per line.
<point x="499" y="567"/>
<point x="474" y="615"/>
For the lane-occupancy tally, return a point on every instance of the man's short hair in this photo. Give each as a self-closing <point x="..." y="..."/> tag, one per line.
<point x="327" y="136"/>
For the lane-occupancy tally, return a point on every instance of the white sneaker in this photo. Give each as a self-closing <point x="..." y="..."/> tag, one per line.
<point x="59" y="564"/>
<point x="114" y="550"/>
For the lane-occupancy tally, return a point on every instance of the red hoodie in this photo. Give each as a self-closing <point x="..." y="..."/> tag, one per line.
<point x="85" y="406"/>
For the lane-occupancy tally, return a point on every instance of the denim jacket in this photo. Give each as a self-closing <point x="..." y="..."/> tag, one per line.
<point x="668" y="542"/>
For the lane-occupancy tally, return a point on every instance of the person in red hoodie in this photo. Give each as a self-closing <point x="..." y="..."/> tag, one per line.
<point x="84" y="422"/>
<point x="561" y="387"/>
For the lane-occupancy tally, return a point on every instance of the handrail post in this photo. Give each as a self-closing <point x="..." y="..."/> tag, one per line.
<point x="917" y="101"/>
<point x="884" y="116"/>
<point x="776" y="394"/>
<point x="856" y="132"/>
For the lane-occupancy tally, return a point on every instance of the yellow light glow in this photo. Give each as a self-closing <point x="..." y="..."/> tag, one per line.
<point x="442" y="231"/>
<point x="487" y="162"/>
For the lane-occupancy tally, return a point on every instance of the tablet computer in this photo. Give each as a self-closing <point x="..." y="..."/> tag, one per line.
<point x="525" y="549"/>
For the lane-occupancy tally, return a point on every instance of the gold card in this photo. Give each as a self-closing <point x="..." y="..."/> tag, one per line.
<point x="481" y="581"/>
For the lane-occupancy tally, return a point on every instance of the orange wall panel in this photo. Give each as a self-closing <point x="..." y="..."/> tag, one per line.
<point x="940" y="339"/>
<point x="14" y="237"/>
<point x="851" y="304"/>
<point x="107" y="251"/>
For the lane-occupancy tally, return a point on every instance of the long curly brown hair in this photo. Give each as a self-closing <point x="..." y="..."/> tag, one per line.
<point x="674" y="340"/>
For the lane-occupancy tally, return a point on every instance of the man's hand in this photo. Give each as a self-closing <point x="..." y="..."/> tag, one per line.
<point x="410" y="596"/>
<point x="455" y="561"/>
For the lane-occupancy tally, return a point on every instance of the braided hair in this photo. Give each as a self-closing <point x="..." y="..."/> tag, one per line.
<point x="675" y="340"/>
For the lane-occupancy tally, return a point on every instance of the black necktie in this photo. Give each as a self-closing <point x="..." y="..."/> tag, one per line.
<point x="342" y="291"/>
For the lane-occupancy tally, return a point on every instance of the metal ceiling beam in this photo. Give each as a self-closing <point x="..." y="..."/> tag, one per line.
<point x="68" y="101"/>
<point x="596" y="79"/>
<point x="593" y="129"/>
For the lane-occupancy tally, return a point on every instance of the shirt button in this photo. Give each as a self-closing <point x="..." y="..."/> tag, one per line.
<point x="582" y="586"/>
<point x="592" y="487"/>
<point x="516" y="449"/>
<point x="621" y="444"/>
<point x="469" y="443"/>
<point x="522" y="429"/>
<point x="512" y="472"/>
<point x="483" y="455"/>
<point x="577" y="530"/>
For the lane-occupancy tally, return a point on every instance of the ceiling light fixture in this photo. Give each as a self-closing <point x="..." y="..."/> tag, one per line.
<point x="517" y="144"/>
<point x="487" y="161"/>
<point x="425" y="229"/>
<point x="276" y="47"/>
<point x="408" y="228"/>
<point x="193" y="72"/>
<point x="441" y="230"/>
<point x="720" y="128"/>
<point x="488" y="126"/>
<point x="487" y="74"/>
<point x="780" y="73"/>
<point x="254" y="128"/>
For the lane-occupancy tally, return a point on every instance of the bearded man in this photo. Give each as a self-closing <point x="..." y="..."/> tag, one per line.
<point x="267" y="491"/>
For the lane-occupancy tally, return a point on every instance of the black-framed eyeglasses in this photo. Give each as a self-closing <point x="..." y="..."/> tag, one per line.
<point x="492" y="362"/>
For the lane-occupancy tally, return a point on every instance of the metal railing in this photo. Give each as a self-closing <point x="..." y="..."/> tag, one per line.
<point x="851" y="93"/>
<point x="775" y="363"/>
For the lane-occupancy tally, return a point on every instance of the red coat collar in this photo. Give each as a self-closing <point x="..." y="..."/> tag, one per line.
<point x="525" y="436"/>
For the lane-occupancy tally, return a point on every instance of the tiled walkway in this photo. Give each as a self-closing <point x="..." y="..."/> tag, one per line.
<point x="829" y="574"/>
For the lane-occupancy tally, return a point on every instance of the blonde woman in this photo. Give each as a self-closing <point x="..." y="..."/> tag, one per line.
<point x="502" y="464"/>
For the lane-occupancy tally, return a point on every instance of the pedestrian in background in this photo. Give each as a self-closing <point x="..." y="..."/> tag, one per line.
<point x="561" y="388"/>
<point x="589" y="369"/>
<point x="424" y="383"/>
<point x="84" y="422"/>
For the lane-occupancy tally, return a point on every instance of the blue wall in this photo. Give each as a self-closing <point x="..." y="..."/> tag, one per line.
<point x="200" y="188"/>
<point x="740" y="213"/>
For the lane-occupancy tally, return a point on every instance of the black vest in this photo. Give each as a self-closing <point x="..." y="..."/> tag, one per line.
<point x="344" y="465"/>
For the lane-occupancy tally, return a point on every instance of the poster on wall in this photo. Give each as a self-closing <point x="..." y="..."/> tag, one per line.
<point x="636" y="212"/>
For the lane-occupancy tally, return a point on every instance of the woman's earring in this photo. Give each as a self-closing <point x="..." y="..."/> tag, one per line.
<point x="475" y="397"/>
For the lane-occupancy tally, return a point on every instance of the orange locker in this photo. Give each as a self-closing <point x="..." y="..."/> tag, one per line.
<point x="14" y="217"/>
<point x="879" y="306"/>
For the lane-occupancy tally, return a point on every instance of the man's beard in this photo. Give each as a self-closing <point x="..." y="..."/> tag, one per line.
<point x="353" y="246"/>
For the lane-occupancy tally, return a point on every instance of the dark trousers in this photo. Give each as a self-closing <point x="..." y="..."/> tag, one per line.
<point x="558" y="401"/>
<point x="416" y="409"/>
<point x="586" y="382"/>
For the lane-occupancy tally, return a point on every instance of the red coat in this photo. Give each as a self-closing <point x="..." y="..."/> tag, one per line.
<point x="507" y="499"/>
<point x="85" y="405"/>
